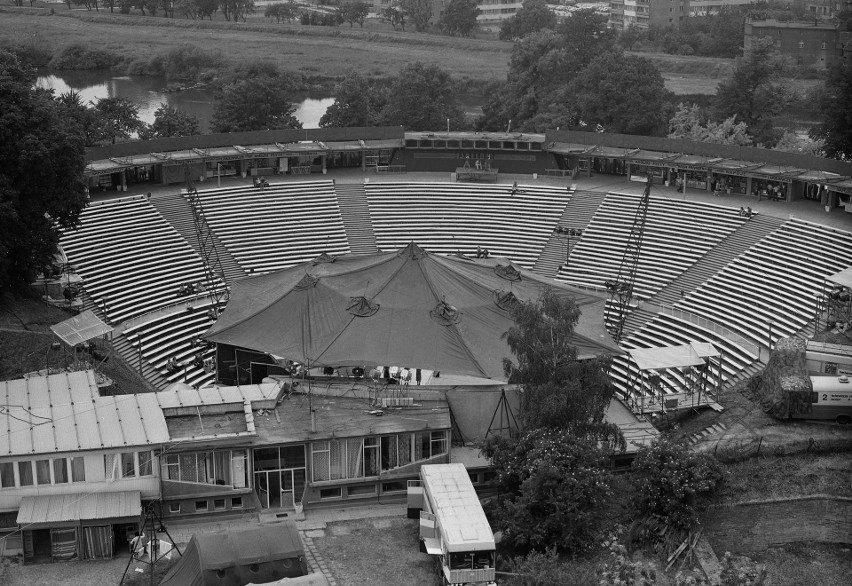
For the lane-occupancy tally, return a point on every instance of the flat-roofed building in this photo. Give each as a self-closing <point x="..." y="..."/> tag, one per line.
<point x="814" y="43"/>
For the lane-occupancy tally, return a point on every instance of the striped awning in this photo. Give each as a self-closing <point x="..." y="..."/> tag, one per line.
<point x="63" y="508"/>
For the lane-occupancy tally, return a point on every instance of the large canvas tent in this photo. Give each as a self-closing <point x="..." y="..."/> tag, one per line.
<point x="237" y="557"/>
<point x="406" y="308"/>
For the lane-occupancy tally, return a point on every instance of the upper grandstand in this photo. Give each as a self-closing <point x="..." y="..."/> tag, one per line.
<point x="706" y="273"/>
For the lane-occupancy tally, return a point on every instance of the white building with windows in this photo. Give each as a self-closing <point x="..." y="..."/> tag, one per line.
<point x="75" y="466"/>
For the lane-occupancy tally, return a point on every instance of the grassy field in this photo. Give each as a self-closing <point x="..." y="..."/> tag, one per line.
<point x="317" y="52"/>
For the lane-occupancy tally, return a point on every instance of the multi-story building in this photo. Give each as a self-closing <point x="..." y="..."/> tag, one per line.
<point x="811" y="44"/>
<point x="644" y="13"/>
<point x="491" y="11"/>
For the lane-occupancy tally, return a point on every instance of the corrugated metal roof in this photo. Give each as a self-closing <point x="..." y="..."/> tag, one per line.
<point x="80" y="328"/>
<point x="64" y="412"/>
<point x="79" y="507"/>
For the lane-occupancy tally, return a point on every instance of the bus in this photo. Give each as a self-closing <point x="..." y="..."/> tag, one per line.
<point x="831" y="399"/>
<point x="453" y="527"/>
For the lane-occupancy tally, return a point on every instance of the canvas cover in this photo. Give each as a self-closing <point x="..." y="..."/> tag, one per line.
<point x="80" y="328"/>
<point x="406" y="308"/>
<point x="237" y="557"/>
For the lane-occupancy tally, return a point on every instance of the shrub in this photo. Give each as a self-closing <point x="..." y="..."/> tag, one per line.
<point x="670" y="479"/>
<point x="80" y="57"/>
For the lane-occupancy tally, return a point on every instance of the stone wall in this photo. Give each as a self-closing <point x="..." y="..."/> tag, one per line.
<point x="756" y="525"/>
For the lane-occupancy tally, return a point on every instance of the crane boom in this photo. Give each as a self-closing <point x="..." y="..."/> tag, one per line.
<point x="621" y="290"/>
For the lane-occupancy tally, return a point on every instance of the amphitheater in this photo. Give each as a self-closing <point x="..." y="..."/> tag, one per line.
<point x="706" y="273"/>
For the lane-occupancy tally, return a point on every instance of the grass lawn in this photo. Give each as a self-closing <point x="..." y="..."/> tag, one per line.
<point x="377" y="551"/>
<point x="318" y="52"/>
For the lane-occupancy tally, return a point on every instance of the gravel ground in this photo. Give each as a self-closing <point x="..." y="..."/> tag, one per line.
<point x="87" y="573"/>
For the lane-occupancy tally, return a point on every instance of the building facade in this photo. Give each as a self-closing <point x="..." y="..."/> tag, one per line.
<point x="813" y="43"/>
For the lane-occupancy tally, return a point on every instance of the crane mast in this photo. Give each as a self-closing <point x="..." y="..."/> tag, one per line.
<point x="621" y="289"/>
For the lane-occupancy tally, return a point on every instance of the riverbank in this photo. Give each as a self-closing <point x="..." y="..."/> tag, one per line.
<point x="319" y="55"/>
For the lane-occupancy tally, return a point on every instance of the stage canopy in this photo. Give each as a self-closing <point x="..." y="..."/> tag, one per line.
<point x="692" y="354"/>
<point x="405" y="308"/>
<point x="842" y="278"/>
<point x="80" y="328"/>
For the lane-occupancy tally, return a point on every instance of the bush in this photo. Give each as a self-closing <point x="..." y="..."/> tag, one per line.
<point x="670" y="479"/>
<point x="188" y="63"/>
<point x="80" y="57"/>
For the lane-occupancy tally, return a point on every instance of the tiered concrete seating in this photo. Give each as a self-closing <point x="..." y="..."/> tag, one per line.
<point x="451" y="218"/>
<point x="666" y="330"/>
<point x="132" y="261"/>
<point x="677" y="234"/>
<point x="770" y="290"/>
<point x="283" y="225"/>
<point x="170" y="335"/>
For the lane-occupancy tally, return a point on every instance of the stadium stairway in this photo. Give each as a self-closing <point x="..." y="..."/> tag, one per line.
<point x="176" y="210"/>
<point x="746" y="236"/>
<point x="355" y="212"/>
<point x="153" y="378"/>
<point x="577" y="214"/>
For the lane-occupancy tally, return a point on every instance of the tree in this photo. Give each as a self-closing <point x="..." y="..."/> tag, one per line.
<point x="357" y="103"/>
<point x="354" y="11"/>
<point x="255" y="103"/>
<point x="753" y="92"/>
<point x="394" y="15"/>
<point x="85" y="117"/>
<point x="459" y="18"/>
<point x="207" y="8"/>
<point x="689" y="123"/>
<point x="835" y="105"/>
<point x="586" y="35"/>
<point x="622" y="93"/>
<point x="790" y="142"/>
<point x="552" y="490"/>
<point x="422" y="97"/>
<point x="42" y="181"/>
<point x="532" y="17"/>
<point x="670" y="479"/>
<point x="418" y="11"/>
<point x="119" y="118"/>
<point x="629" y="36"/>
<point x="559" y="391"/>
<point x="169" y="121"/>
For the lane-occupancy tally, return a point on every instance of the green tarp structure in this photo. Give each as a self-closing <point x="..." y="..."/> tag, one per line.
<point x="405" y="308"/>
<point x="237" y="557"/>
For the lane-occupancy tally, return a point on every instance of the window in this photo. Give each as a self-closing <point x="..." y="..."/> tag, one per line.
<point x="25" y="473"/>
<point x="428" y="444"/>
<point x="218" y="503"/>
<point x="237" y="502"/>
<point x="43" y="471"/>
<point x="128" y="464"/>
<point x="801" y="44"/>
<point x="338" y="459"/>
<point x="824" y="45"/>
<point x="7" y="475"/>
<point x="396" y="486"/>
<point x="331" y="493"/>
<point x="60" y="471"/>
<point x="146" y="467"/>
<point x="174" y="507"/>
<point x="78" y="469"/>
<point x="200" y="506"/>
<point x="361" y="489"/>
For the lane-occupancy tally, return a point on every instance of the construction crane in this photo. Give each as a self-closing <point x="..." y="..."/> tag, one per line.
<point x="621" y="289"/>
<point x="214" y="275"/>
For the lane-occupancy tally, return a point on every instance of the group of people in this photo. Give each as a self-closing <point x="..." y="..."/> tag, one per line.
<point x="482" y="252"/>
<point x="746" y="212"/>
<point x="261" y="183"/>
<point x="191" y="288"/>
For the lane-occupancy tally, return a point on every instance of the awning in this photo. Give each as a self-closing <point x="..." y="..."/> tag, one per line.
<point x="62" y="508"/>
<point x="80" y="328"/>
<point x="433" y="545"/>
<point x="671" y="356"/>
<point x="842" y="278"/>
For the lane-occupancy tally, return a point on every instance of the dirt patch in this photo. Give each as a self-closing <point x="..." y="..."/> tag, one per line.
<point x="800" y="563"/>
<point x="358" y="553"/>
<point x="86" y="573"/>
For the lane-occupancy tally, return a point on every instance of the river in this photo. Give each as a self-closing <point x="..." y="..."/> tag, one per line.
<point x="147" y="92"/>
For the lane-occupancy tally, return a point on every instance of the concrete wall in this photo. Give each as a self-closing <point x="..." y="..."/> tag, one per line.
<point x="756" y="525"/>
